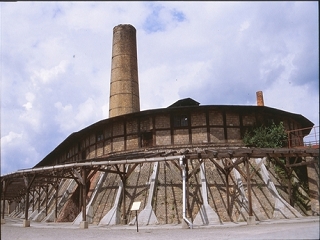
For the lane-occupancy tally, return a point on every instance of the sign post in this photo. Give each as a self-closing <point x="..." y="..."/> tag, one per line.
<point x="135" y="207"/>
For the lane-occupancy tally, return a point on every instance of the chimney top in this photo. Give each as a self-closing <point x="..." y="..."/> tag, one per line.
<point x="260" y="101"/>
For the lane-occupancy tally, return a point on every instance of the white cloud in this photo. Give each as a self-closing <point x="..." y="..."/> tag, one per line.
<point x="70" y="119"/>
<point x="10" y="138"/>
<point x="30" y="98"/>
<point x="47" y="75"/>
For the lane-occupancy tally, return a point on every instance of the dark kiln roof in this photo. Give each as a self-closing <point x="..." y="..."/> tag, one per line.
<point x="186" y="102"/>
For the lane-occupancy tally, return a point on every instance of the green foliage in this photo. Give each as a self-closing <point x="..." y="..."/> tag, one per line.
<point x="273" y="136"/>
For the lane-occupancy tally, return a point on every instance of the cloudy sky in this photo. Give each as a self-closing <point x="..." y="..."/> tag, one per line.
<point x="56" y="63"/>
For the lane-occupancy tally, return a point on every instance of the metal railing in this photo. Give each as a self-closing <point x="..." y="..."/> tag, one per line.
<point x="297" y="139"/>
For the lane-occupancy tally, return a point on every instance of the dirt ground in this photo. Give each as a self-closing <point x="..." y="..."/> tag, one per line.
<point x="298" y="228"/>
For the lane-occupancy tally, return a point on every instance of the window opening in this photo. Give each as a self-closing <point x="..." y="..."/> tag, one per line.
<point x="146" y="139"/>
<point x="181" y="121"/>
<point x="99" y="136"/>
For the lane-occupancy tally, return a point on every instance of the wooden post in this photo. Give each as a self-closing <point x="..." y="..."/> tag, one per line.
<point x="137" y="220"/>
<point x="80" y="196"/>
<point x="33" y="200"/>
<point x="26" y="209"/>
<point x="56" y="201"/>
<point x="249" y="187"/>
<point x="189" y="215"/>
<point x="84" y="194"/>
<point x="227" y="190"/>
<point x="47" y="193"/>
<point x="165" y="191"/>
<point x="39" y="198"/>
<point x="124" y="180"/>
<point x="28" y="184"/>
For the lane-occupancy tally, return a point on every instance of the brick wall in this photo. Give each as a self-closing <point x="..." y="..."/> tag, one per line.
<point x="163" y="138"/>
<point x="199" y="135"/>
<point x="162" y="121"/>
<point x="132" y="142"/>
<point x="181" y="136"/>
<point x="215" y="118"/>
<point x="216" y="134"/>
<point x="132" y="126"/>
<point x="198" y="119"/>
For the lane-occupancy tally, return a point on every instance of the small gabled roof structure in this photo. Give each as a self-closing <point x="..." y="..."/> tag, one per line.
<point x="186" y="102"/>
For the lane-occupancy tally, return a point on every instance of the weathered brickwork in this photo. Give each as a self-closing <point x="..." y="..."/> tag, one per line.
<point x="232" y="119"/>
<point x="92" y="138"/>
<point x="199" y="135"/>
<point x="132" y="126"/>
<point x="181" y="136"/>
<point x="248" y="120"/>
<point x="92" y="153"/>
<point x="107" y="146"/>
<point x="215" y="118"/>
<point x="216" y="134"/>
<point x="124" y="87"/>
<point x="198" y="119"/>
<point x="87" y="153"/>
<point x="233" y="134"/>
<point x="132" y="142"/>
<point x="146" y="124"/>
<point x="163" y="138"/>
<point x="99" y="149"/>
<point x="117" y="144"/>
<point x="108" y="131"/>
<point x="162" y="121"/>
<point x="118" y="129"/>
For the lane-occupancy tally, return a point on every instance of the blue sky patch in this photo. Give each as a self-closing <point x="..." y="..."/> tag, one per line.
<point x="158" y="19"/>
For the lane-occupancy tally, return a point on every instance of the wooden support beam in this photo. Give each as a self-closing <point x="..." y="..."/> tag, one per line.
<point x="234" y="164"/>
<point x="249" y="186"/>
<point x="28" y="184"/>
<point x="228" y="197"/>
<point x="84" y="194"/>
<point x="127" y="174"/>
<point x="33" y="199"/>
<point x="195" y="169"/>
<point x="78" y="176"/>
<point x="124" y="182"/>
<point x="56" y="187"/>
<point x="303" y="163"/>
<point x="92" y="173"/>
<point x="47" y="198"/>
<point x="189" y="214"/>
<point x="39" y="199"/>
<point x="218" y="166"/>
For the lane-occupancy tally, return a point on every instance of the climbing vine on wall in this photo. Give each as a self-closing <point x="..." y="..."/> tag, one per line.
<point x="273" y="136"/>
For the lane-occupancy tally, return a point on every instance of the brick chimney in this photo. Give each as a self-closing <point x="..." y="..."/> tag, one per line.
<point x="124" y="85"/>
<point x="260" y="98"/>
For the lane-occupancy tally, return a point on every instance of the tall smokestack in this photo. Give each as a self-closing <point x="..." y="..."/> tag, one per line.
<point x="124" y="85"/>
<point x="260" y="98"/>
